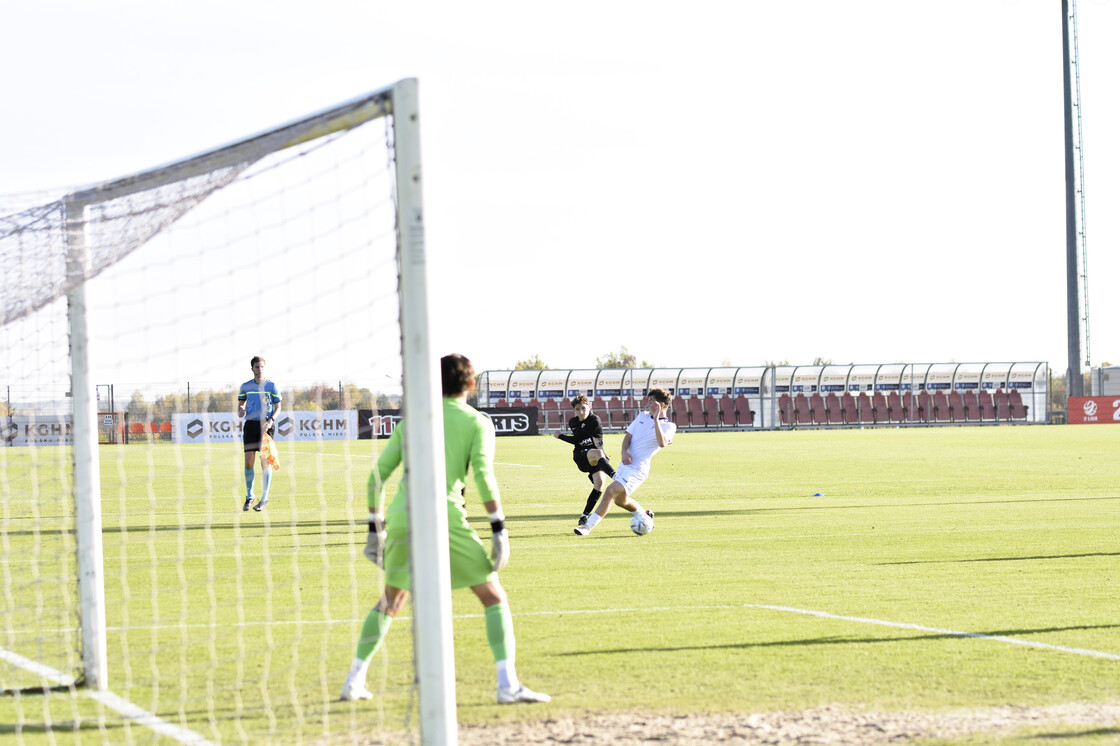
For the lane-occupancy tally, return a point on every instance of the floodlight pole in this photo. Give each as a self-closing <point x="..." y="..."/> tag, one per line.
<point x="1074" y="383"/>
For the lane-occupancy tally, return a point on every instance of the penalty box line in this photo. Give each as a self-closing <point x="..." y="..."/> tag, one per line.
<point x="841" y="618"/>
<point x="133" y="712"/>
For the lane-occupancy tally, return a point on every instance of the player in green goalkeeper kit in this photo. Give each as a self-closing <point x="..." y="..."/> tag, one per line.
<point x="468" y="442"/>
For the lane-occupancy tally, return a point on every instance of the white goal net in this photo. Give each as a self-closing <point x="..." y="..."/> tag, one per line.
<point x="139" y="602"/>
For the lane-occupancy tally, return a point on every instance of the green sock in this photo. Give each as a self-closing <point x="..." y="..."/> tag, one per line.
<point x="374" y="630"/>
<point x="499" y="632"/>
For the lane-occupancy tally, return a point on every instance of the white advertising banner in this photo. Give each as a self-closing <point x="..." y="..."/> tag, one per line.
<point x="41" y="430"/>
<point x="226" y="427"/>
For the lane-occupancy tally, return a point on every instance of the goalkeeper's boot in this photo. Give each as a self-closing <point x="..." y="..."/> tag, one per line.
<point x="261" y="505"/>
<point x="248" y="502"/>
<point x="582" y="530"/>
<point x="508" y="696"/>
<point x="352" y="692"/>
<point x="583" y="520"/>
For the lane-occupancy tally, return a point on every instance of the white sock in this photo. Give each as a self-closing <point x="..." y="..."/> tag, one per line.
<point x="357" y="673"/>
<point x="640" y="508"/>
<point x="507" y="676"/>
<point x="593" y="520"/>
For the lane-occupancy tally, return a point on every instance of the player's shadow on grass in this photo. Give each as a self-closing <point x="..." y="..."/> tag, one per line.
<point x="1025" y="558"/>
<point x="842" y="640"/>
<point x="1076" y="734"/>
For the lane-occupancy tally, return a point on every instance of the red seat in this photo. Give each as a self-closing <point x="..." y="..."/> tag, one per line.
<point x="785" y="409"/>
<point x="896" y="407"/>
<point x="830" y="409"/>
<point x="956" y="407"/>
<point x="816" y="409"/>
<point x="711" y="411"/>
<point x="802" y="410"/>
<point x="924" y="407"/>
<point x="987" y="406"/>
<point x="1003" y="405"/>
<point x="1015" y="402"/>
<point x="865" y="408"/>
<point x="849" y="410"/>
<point x="971" y="406"/>
<point x="727" y="411"/>
<point x="136" y="428"/>
<point x="165" y="428"/>
<point x="680" y="411"/>
<point x="940" y="404"/>
<point x="743" y="412"/>
<point x="882" y="409"/>
<point x="696" y="411"/>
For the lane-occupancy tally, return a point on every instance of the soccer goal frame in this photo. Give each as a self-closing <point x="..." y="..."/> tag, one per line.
<point x="424" y="461"/>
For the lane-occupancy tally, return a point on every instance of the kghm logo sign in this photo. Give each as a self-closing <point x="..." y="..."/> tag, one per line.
<point x="195" y="428"/>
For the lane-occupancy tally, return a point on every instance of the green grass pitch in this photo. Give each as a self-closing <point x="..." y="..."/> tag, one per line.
<point x="752" y="594"/>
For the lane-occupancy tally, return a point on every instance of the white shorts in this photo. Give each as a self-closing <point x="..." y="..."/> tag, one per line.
<point x="630" y="476"/>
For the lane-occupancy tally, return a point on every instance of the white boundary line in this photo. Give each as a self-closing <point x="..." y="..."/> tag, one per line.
<point x="5" y="655"/>
<point x="110" y="700"/>
<point x="938" y="630"/>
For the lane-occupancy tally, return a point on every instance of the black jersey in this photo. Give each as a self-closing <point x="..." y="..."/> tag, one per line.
<point x="586" y="434"/>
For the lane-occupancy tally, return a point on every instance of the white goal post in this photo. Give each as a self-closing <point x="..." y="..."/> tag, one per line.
<point x="103" y="224"/>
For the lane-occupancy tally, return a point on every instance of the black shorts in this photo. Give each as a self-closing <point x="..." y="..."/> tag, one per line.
<point x="251" y="434"/>
<point x="580" y="457"/>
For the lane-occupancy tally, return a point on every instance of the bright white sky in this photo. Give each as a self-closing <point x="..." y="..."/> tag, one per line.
<point x="705" y="183"/>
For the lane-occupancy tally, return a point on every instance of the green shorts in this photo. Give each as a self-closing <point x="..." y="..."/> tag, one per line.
<point x="470" y="562"/>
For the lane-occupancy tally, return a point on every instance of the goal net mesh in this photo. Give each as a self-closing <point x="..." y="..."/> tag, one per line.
<point x="224" y="625"/>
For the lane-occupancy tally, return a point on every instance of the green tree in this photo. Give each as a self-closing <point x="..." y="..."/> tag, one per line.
<point x="533" y="363"/>
<point x="621" y="359"/>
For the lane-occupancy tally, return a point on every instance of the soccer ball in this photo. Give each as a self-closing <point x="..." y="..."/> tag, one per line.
<point x="641" y="524"/>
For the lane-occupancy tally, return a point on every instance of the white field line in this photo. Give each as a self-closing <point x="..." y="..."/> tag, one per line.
<point x="658" y="609"/>
<point x="939" y="631"/>
<point x="114" y="702"/>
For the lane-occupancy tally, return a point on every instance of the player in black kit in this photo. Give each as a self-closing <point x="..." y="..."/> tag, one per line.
<point x="587" y="451"/>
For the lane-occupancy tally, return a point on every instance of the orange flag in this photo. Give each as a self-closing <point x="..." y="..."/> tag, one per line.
<point x="269" y="454"/>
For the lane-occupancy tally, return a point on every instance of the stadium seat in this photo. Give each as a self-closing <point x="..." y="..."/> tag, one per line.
<point x="152" y="428"/>
<point x="987" y="406"/>
<point x="956" y="407"/>
<point x="816" y="408"/>
<point x="785" y="409"/>
<point x="849" y="410"/>
<point x="924" y="407"/>
<point x="727" y="411"/>
<point x="165" y="430"/>
<point x="744" y="415"/>
<point x="1003" y="405"/>
<point x="1015" y="402"/>
<point x="896" y="408"/>
<point x="940" y="403"/>
<point x="136" y="428"/>
<point x="802" y="411"/>
<point x="971" y="406"/>
<point x="619" y="416"/>
<point x="680" y="411"/>
<point x="831" y="409"/>
<point x="879" y="402"/>
<point x="696" y="411"/>
<point x="711" y="411"/>
<point x="865" y="406"/>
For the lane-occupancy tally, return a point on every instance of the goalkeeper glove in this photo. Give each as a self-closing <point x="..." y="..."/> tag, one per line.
<point x="375" y="540"/>
<point x="499" y="541"/>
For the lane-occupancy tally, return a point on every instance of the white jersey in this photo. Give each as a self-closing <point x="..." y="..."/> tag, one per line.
<point x="643" y="439"/>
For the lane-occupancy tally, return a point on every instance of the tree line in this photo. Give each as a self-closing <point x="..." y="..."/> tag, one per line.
<point x="314" y="398"/>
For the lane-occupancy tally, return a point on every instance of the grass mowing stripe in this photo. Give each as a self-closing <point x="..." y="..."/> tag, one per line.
<point x="131" y="711"/>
